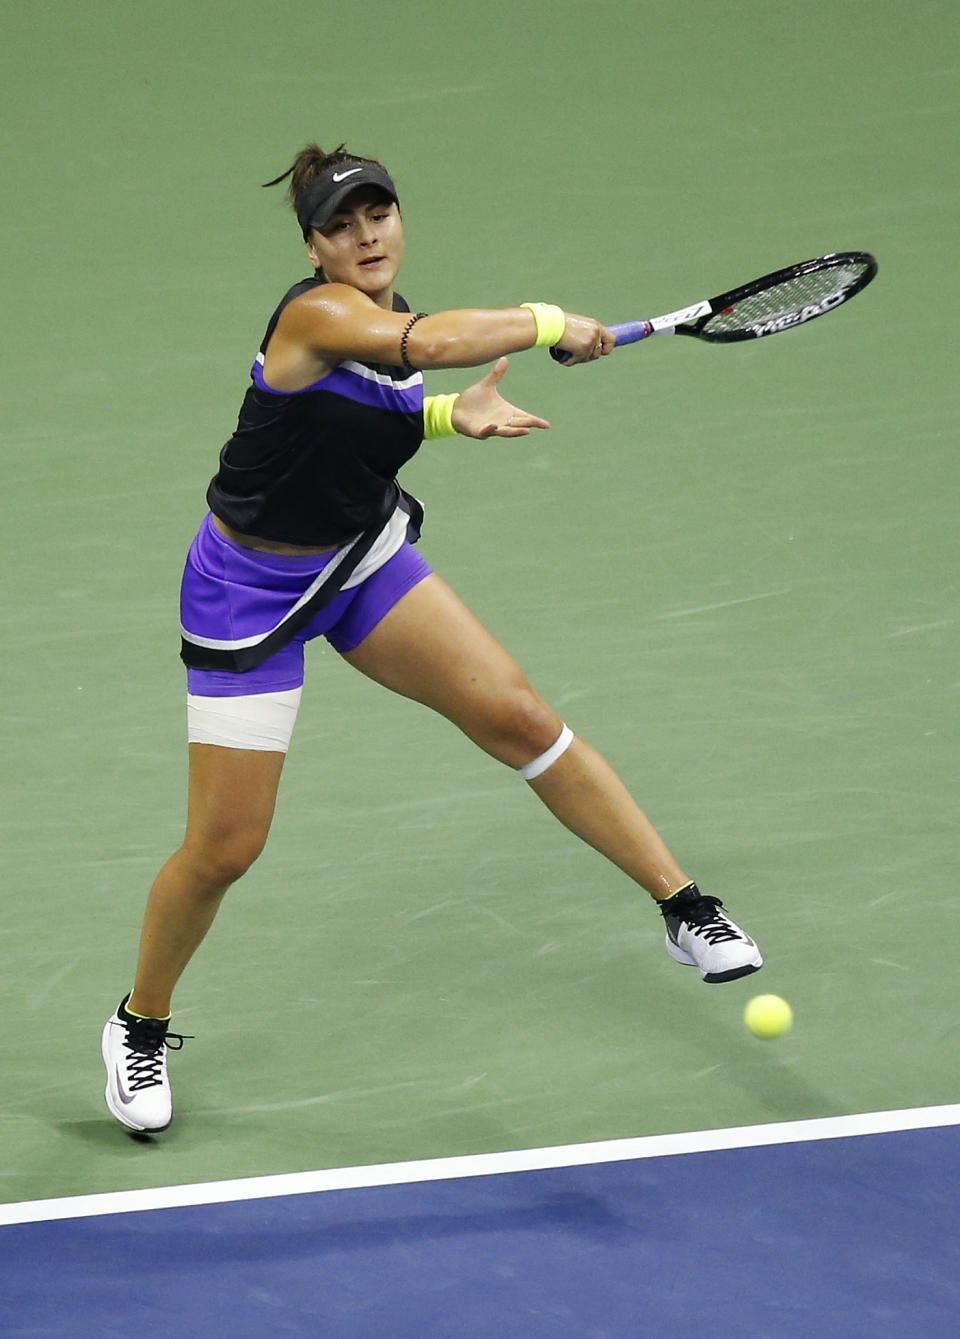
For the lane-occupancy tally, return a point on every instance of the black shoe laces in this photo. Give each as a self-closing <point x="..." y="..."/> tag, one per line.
<point x="144" y="1044"/>
<point x="705" y="919"/>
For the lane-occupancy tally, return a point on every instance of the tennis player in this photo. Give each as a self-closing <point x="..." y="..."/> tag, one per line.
<point x="309" y="534"/>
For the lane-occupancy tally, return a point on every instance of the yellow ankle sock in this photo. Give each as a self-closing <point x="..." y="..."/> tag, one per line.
<point x="133" y="1014"/>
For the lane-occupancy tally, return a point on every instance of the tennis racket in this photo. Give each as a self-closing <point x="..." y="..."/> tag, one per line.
<point x="779" y="301"/>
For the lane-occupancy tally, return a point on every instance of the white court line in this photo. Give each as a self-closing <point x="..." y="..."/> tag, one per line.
<point x="479" y="1164"/>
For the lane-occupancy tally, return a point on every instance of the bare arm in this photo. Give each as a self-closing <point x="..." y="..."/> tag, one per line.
<point x="469" y="337"/>
<point x="322" y="328"/>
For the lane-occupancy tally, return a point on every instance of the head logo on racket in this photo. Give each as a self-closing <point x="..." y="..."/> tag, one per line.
<point x="767" y="306"/>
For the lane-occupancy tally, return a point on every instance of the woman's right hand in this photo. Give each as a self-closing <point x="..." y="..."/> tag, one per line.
<point x="585" y="339"/>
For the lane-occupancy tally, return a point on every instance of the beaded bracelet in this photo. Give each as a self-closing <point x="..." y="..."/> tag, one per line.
<point x="405" y="336"/>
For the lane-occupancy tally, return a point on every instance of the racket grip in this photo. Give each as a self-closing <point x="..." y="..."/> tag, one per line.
<point x="628" y="332"/>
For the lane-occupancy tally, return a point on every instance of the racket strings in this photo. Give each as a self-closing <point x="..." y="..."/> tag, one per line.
<point x="789" y="302"/>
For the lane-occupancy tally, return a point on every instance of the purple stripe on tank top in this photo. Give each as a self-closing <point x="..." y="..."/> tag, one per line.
<point x="353" y="386"/>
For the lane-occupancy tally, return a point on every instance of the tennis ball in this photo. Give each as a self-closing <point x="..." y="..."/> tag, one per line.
<point x="768" y="1016"/>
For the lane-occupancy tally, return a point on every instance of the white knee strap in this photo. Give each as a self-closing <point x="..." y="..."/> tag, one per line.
<point x="533" y="769"/>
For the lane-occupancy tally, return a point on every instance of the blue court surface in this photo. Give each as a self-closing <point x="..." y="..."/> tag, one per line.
<point x="803" y="1230"/>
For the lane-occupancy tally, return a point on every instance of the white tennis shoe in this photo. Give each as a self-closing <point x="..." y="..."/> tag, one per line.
<point x="135" y="1054"/>
<point x="700" y="935"/>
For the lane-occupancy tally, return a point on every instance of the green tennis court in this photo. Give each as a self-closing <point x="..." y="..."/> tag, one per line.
<point x="734" y="570"/>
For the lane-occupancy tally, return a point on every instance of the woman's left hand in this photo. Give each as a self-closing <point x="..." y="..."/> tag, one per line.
<point x="481" y="411"/>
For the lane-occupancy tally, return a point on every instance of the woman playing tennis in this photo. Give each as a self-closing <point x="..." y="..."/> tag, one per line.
<point x="309" y="534"/>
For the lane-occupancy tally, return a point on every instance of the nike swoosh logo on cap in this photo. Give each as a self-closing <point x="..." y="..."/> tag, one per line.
<point x="342" y="176"/>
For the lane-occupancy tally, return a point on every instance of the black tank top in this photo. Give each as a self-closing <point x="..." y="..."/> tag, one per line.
<point x="317" y="466"/>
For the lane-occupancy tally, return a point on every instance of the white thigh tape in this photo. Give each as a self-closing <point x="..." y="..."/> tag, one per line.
<point x="533" y="769"/>
<point x="261" y="721"/>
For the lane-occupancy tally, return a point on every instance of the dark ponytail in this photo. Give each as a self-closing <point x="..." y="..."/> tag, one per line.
<point x="309" y="163"/>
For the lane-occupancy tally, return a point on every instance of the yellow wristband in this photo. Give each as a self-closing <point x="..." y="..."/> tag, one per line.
<point x="438" y="416"/>
<point x="551" y="322"/>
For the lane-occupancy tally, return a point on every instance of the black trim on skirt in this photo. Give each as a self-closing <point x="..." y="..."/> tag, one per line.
<point x="249" y="657"/>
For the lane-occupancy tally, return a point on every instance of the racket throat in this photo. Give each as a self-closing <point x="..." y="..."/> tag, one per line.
<point x="667" y="325"/>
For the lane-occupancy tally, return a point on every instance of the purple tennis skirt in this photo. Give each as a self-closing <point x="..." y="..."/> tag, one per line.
<point x="230" y="593"/>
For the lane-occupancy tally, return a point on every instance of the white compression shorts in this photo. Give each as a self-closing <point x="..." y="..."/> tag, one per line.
<point x="260" y="721"/>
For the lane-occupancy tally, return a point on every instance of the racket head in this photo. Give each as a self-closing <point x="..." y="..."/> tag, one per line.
<point x="784" y="299"/>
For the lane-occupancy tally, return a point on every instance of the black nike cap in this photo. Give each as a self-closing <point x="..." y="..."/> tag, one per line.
<point x="331" y="188"/>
